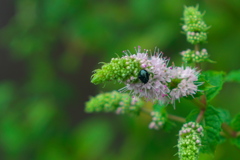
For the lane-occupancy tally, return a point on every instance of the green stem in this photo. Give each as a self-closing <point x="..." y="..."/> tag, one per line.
<point x="238" y="134"/>
<point x="200" y="116"/>
<point x="176" y="118"/>
<point x="223" y="134"/>
<point x="146" y="110"/>
<point x="197" y="48"/>
<point x="170" y="116"/>
<point x="202" y="105"/>
<point x="198" y="103"/>
<point x="227" y="129"/>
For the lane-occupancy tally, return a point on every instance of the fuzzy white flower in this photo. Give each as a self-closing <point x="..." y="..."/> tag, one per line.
<point x="162" y="83"/>
<point x="183" y="82"/>
<point x="156" y="86"/>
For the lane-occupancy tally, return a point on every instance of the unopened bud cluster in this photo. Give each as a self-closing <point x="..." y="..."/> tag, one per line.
<point x="158" y="120"/>
<point x="194" y="27"/>
<point x="189" y="141"/>
<point x="114" y="101"/>
<point x="191" y="56"/>
<point x="119" y="69"/>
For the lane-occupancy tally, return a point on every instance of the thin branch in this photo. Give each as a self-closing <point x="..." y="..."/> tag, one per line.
<point x="223" y="134"/>
<point x="170" y="116"/>
<point x="200" y="116"/>
<point x="238" y="134"/>
<point x="199" y="104"/>
<point x="227" y="129"/>
<point x="204" y="101"/>
<point x="196" y="47"/>
<point x="146" y="110"/>
<point x="176" y="118"/>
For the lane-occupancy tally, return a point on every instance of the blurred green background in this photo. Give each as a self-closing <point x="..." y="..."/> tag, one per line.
<point x="48" y="49"/>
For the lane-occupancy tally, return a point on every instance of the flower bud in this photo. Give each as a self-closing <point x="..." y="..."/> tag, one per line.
<point x="189" y="141"/>
<point x="114" y="101"/>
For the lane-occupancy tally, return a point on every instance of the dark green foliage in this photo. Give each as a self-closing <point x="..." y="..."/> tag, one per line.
<point x="192" y="116"/>
<point x="212" y="127"/>
<point x="215" y="79"/>
<point x="235" y="124"/>
<point x="233" y="76"/>
<point x="224" y="115"/>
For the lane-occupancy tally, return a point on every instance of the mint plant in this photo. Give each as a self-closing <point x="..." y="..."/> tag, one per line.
<point x="148" y="76"/>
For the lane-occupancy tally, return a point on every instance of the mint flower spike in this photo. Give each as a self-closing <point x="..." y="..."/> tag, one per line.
<point x="165" y="84"/>
<point x="189" y="142"/>
<point x="191" y="15"/>
<point x="158" y="120"/>
<point x="155" y="88"/>
<point x="121" y="69"/>
<point x="194" y="27"/>
<point x="191" y="56"/>
<point x="148" y="76"/>
<point x="114" y="101"/>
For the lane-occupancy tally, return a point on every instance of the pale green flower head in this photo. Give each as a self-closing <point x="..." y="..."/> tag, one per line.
<point x="194" y="26"/>
<point x="120" y="103"/>
<point x="191" y="15"/>
<point x="191" y="56"/>
<point x="119" y="69"/>
<point x="189" y="141"/>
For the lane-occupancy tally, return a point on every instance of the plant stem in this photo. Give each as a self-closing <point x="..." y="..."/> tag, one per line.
<point x="146" y="110"/>
<point x="200" y="116"/>
<point x="176" y="118"/>
<point x="204" y="101"/>
<point x="227" y="129"/>
<point x="238" y="134"/>
<point x="196" y="49"/>
<point x="170" y="116"/>
<point x="202" y="105"/>
<point x="198" y="103"/>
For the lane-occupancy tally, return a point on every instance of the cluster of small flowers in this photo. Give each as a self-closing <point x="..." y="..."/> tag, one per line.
<point x="160" y="81"/>
<point x="189" y="141"/>
<point x="119" y="69"/>
<point x="183" y="82"/>
<point x="165" y="83"/>
<point x="194" y="26"/>
<point x="158" y="120"/>
<point x="190" y="56"/>
<point x="114" y="101"/>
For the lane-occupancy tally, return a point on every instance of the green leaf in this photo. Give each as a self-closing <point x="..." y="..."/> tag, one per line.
<point x="212" y="127"/>
<point x="168" y="126"/>
<point x="233" y="76"/>
<point x="159" y="107"/>
<point x="215" y="79"/>
<point x="192" y="116"/>
<point x="235" y="124"/>
<point x="236" y="141"/>
<point x="206" y="85"/>
<point x="224" y="115"/>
